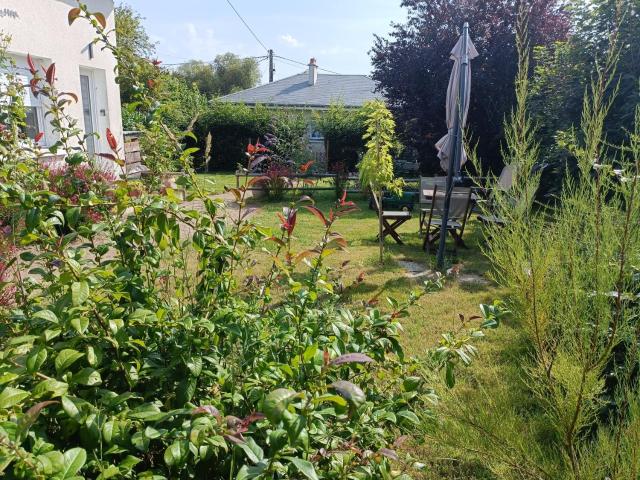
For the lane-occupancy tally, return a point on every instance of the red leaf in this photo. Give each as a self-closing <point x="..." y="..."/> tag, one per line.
<point x="33" y="413"/>
<point x="74" y="13"/>
<point x="277" y="241"/>
<point x="305" y="166"/>
<point x="51" y="74"/>
<point x="260" y="179"/>
<point x="34" y="87"/>
<point x="111" y="139"/>
<point x="344" y="197"/>
<point x="325" y="357"/>
<point x="32" y="66"/>
<point x="39" y="137"/>
<point x="109" y="156"/>
<point x="101" y="19"/>
<point x="351" y="358"/>
<point x="318" y="214"/>
<point x="206" y="409"/>
<point x="70" y="94"/>
<point x="251" y="149"/>
<point x="151" y="84"/>
<point x="389" y="453"/>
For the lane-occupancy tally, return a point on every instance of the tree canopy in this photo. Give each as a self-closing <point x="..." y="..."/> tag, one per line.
<point x="226" y="74"/>
<point x="412" y="67"/>
<point x="138" y="51"/>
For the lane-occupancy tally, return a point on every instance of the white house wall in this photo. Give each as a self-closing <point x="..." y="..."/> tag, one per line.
<point x="40" y="28"/>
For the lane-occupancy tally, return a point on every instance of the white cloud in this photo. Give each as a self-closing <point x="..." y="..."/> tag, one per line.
<point x="290" y="40"/>
<point x="195" y="41"/>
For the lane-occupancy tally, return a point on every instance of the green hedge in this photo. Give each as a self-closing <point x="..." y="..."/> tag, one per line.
<point x="232" y="126"/>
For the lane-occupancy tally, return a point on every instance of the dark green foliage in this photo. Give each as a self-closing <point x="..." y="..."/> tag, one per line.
<point x="137" y="52"/>
<point x="413" y="68"/>
<point x="232" y="127"/>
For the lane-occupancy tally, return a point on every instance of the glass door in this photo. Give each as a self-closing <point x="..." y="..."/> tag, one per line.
<point x="87" y="111"/>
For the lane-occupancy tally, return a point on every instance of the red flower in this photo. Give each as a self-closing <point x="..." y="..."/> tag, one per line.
<point x="39" y="137"/>
<point x="251" y="149"/>
<point x="156" y="62"/>
<point x="151" y="84"/>
<point x="111" y="140"/>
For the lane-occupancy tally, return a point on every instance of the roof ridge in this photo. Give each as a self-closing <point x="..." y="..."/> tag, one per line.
<point x="263" y="85"/>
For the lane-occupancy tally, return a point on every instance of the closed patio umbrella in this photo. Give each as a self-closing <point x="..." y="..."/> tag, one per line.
<point x="457" y="98"/>
<point x="451" y="150"/>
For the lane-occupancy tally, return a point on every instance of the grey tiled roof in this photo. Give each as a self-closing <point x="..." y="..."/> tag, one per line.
<point x="295" y="91"/>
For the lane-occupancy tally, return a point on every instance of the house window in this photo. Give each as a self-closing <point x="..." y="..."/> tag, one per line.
<point x="33" y="126"/>
<point x="34" y="119"/>
<point x="315" y="134"/>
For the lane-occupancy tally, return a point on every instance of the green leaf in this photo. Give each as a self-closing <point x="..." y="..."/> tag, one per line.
<point x="66" y="358"/>
<point x="409" y="416"/>
<point x="87" y="376"/>
<point x="450" y="376"/>
<point x="349" y="391"/>
<point x="79" y="293"/>
<point x="252" y="450"/>
<point x="47" y="315"/>
<point x="36" y="359"/>
<point x="74" y="460"/>
<point x="277" y="402"/>
<point x="52" y="386"/>
<point x="176" y="454"/>
<point x="304" y="467"/>
<point x="11" y="396"/>
<point x="80" y="324"/>
<point x="70" y="408"/>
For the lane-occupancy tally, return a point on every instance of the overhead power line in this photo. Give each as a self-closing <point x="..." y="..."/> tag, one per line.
<point x="304" y="64"/>
<point x="211" y="62"/>
<point x="247" y="25"/>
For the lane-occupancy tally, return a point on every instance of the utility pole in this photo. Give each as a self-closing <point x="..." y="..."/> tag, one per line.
<point x="271" y="67"/>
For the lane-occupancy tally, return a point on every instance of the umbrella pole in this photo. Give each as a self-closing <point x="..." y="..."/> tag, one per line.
<point x="455" y="156"/>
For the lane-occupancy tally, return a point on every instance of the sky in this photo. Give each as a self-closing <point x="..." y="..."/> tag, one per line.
<point x="338" y="33"/>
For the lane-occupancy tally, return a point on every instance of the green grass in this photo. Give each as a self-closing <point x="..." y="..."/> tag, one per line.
<point x="434" y="313"/>
<point x="214" y="183"/>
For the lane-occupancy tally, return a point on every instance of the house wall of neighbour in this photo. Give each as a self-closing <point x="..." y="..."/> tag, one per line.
<point x="41" y="28"/>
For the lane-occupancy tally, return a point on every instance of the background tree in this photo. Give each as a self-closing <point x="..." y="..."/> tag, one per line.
<point x="412" y="67"/>
<point x="138" y="52"/>
<point x="228" y="73"/>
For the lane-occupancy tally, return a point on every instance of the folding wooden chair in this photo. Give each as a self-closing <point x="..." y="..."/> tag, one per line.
<point x="427" y="187"/>
<point x="458" y="214"/>
<point x="391" y="221"/>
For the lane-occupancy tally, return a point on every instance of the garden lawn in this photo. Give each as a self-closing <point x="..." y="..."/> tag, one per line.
<point x="435" y="313"/>
<point x="214" y="183"/>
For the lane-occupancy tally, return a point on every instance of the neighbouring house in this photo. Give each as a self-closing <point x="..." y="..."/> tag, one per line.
<point x="310" y="91"/>
<point x="40" y="28"/>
